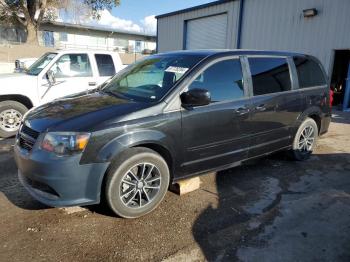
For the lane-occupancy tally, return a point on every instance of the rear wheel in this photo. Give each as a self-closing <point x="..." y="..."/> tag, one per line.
<point x="305" y="140"/>
<point x="136" y="183"/>
<point x="11" y="114"/>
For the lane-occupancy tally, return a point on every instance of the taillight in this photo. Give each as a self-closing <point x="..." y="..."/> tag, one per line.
<point x="331" y="95"/>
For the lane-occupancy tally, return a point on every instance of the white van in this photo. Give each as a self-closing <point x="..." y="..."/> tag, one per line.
<point x="55" y="74"/>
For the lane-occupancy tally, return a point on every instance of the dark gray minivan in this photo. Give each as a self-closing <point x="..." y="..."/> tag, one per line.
<point x="168" y="117"/>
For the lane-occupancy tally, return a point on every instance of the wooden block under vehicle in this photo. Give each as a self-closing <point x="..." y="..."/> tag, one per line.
<point x="185" y="186"/>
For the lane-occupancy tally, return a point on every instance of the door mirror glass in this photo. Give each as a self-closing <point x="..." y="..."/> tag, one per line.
<point x="195" y="97"/>
<point x="50" y="76"/>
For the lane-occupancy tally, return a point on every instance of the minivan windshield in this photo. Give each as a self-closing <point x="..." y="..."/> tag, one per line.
<point x="151" y="78"/>
<point x="40" y="64"/>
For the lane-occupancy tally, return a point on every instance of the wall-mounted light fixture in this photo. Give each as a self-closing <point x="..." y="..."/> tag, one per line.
<point x="310" y="12"/>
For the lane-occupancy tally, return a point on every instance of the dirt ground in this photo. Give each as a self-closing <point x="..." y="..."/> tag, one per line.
<point x="271" y="210"/>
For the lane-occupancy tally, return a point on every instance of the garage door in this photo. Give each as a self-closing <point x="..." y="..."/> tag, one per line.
<point x="207" y="33"/>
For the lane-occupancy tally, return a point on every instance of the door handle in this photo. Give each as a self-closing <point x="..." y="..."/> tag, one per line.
<point x="260" y="108"/>
<point x="92" y="83"/>
<point x="242" y="111"/>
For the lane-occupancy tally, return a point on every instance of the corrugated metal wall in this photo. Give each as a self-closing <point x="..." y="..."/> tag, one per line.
<point x="171" y="28"/>
<point x="273" y="25"/>
<point x="280" y="25"/>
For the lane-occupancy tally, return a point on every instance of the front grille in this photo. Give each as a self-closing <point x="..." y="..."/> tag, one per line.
<point x="25" y="143"/>
<point x="27" y="138"/>
<point x="30" y="132"/>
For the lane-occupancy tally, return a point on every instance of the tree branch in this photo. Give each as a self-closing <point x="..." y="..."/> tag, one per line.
<point x="11" y="12"/>
<point x="42" y="8"/>
<point x="4" y="6"/>
<point x="25" y="12"/>
<point x="20" y="20"/>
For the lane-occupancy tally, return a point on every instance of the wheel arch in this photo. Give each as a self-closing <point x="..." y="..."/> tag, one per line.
<point x="18" y="98"/>
<point x="314" y="113"/>
<point x="151" y="139"/>
<point x="163" y="152"/>
<point x="317" y="119"/>
<point x="153" y="145"/>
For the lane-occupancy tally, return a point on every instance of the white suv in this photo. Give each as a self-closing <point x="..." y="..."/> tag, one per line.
<point x="54" y="75"/>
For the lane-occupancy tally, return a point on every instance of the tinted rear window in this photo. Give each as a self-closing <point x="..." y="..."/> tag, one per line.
<point x="269" y="75"/>
<point x="309" y="72"/>
<point x="105" y="65"/>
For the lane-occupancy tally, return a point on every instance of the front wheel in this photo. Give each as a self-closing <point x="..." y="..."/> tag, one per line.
<point x="11" y="114"/>
<point x="305" y="140"/>
<point x="136" y="182"/>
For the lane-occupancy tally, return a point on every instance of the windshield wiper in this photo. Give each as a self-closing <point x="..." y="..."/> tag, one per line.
<point x="116" y="94"/>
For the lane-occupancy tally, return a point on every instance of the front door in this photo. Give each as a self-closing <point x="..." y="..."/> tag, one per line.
<point x="73" y="74"/>
<point x="274" y="105"/>
<point x="215" y="135"/>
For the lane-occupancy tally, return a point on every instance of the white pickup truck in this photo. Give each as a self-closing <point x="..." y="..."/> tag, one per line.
<point x="55" y="74"/>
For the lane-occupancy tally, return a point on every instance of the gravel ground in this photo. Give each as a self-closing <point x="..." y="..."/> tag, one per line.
<point x="271" y="210"/>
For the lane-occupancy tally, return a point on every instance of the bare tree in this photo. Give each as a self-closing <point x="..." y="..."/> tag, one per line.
<point x="31" y="13"/>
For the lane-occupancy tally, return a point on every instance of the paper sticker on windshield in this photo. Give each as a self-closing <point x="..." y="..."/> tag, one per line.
<point x="176" y="69"/>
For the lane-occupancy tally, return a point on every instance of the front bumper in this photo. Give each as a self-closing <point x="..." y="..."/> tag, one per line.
<point x="59" y="181"/>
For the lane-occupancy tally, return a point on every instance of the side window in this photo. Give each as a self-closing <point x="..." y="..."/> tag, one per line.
<point x="72" y="65"/>
<point x="269" y="75"/>
<point x="309" y="73"/>
<point x="224" y="80"/>
<point x="105" y="65"/>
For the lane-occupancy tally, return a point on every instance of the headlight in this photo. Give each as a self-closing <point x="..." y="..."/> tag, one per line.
<point x="65" y="144"/>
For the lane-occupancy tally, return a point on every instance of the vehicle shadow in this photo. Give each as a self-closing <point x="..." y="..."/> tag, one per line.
<point x="102" y="209"/>
<point x="249" y="199"/>
<point x="10" y="186"/>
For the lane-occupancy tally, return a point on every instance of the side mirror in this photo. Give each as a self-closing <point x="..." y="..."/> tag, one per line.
<point x="50" y="76"/>
<point x="195" y="97"/>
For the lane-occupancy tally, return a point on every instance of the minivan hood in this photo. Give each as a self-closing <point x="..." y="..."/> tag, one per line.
<point x="81" y="112"/>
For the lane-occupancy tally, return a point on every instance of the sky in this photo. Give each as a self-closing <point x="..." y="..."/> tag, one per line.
<point x="134" y="15"/>
<point x="136" y="10"/>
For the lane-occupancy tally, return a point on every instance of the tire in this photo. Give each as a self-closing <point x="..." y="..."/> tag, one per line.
<point x="124" y="185"/>
<point x="11" y="114"/>
<point x="302" y="148"/>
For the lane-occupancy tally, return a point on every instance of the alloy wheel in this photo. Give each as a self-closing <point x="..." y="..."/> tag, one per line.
<point x="139" y="185"/>
<point x="307" y="139"/>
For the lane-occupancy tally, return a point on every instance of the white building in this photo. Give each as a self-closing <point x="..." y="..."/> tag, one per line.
<point x="63" y="35"/>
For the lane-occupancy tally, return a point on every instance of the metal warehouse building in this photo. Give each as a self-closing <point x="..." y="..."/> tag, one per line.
<point x="317" y="27"/>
